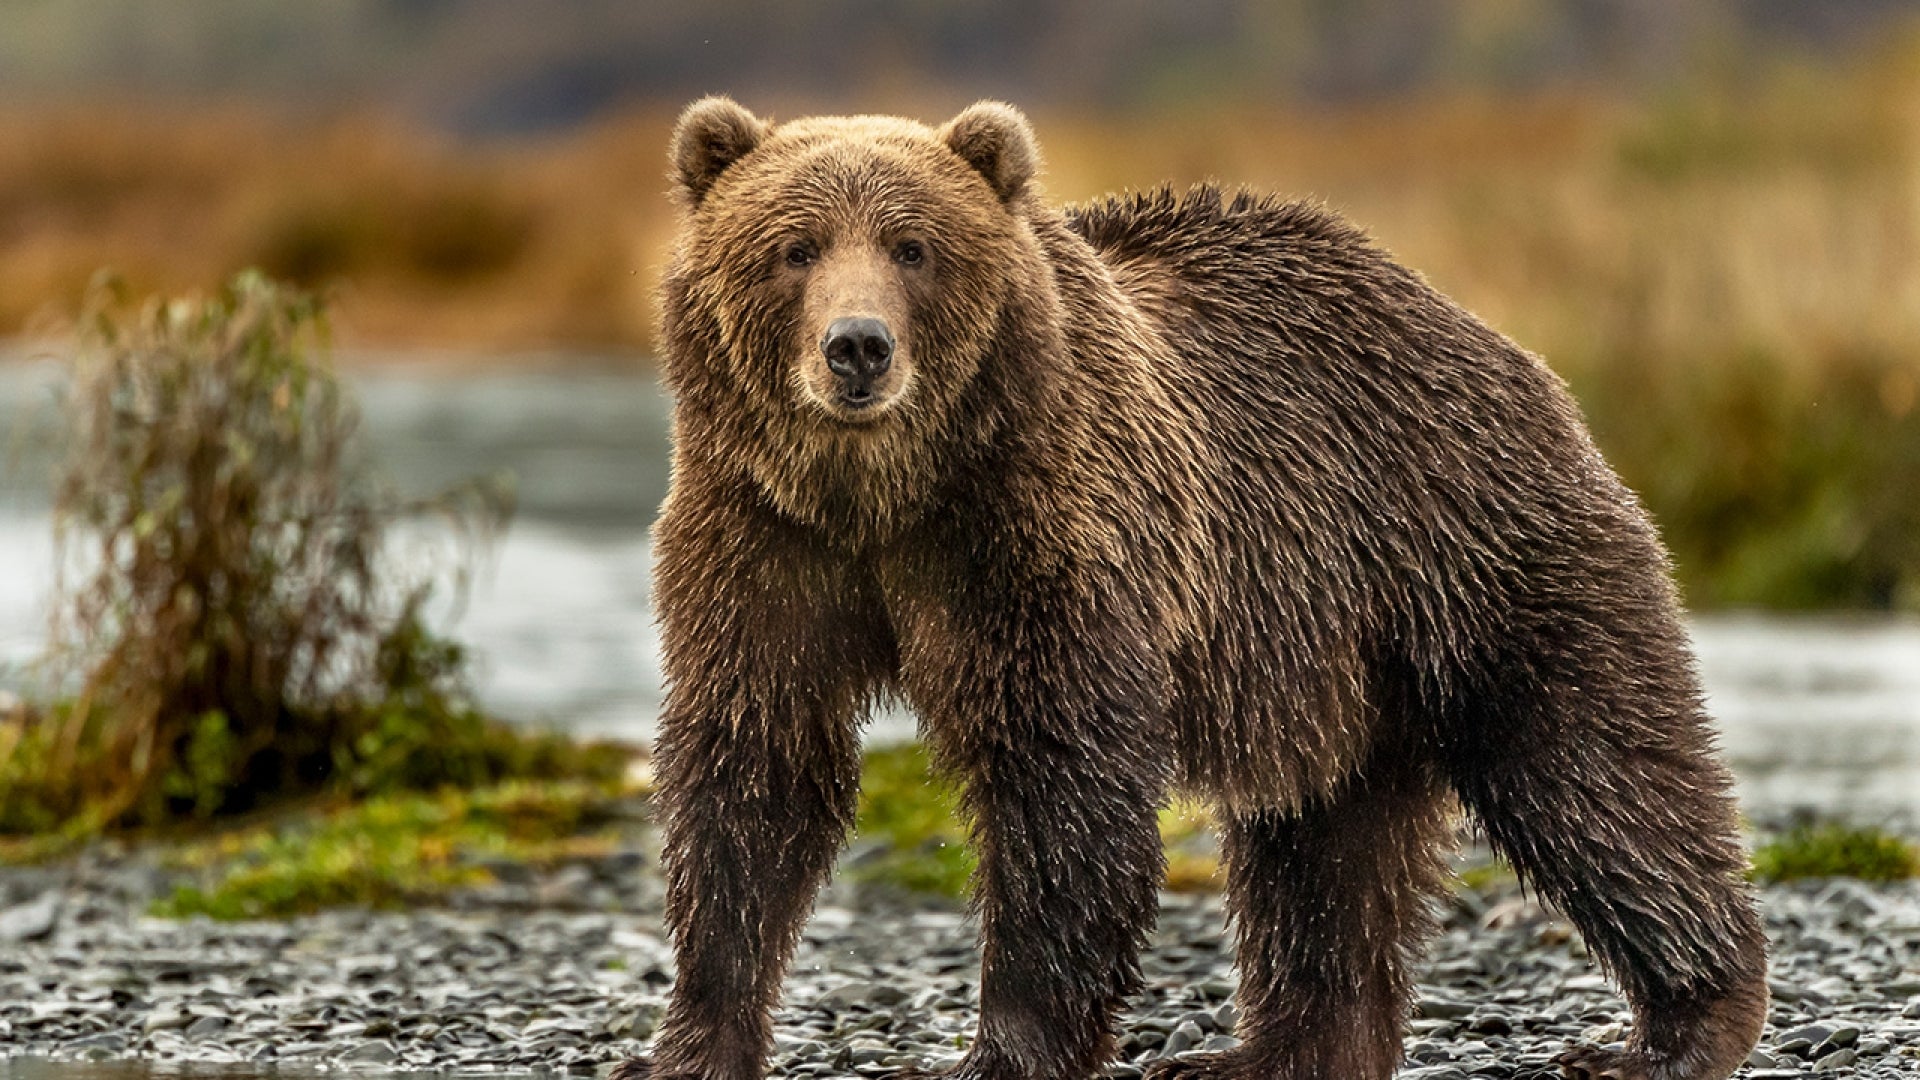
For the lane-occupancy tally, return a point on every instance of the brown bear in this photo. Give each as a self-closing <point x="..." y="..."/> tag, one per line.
<point x="1171" y="493"/>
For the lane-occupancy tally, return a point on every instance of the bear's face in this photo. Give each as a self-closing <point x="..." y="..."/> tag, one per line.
<point x="852" y="269"/>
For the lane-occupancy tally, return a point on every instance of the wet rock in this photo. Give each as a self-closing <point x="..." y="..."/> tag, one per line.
<point x="32" y="920"/>
<point x="1433" y="1072"/>
<point x="1490" y="1024"/>
<point x="372" y="1052"/>
<point x="1842" y="1036"/>
<point x="498" y="987"/>
<point x="1433" y="1007"/>
<point x="1839" y="1059"/>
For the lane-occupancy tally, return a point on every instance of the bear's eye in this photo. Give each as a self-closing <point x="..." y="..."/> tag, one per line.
<point x="909" y="253"/>
<point x="800" y="254"/>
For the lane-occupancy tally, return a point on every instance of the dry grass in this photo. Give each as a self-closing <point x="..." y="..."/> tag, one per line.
<point x="423" y="240"/>
<point x="1729" y="276"/>
<point x="1781" y="216"/>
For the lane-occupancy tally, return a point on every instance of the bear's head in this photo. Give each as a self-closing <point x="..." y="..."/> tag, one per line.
<point x="842" y="280"/>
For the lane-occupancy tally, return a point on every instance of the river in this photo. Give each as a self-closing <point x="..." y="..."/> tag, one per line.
<point x="1817" y="713"/>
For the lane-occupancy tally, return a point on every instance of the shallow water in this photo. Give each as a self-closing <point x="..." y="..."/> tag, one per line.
<point x="1817" y="713"/>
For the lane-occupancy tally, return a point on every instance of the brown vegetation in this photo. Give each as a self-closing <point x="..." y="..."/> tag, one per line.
<point x="1729" y="275"/>
<point x="1779" y="216"/>
<point x="229" y="609"/>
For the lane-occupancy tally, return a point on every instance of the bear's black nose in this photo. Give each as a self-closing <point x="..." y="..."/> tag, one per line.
<point x="858" y="350"/>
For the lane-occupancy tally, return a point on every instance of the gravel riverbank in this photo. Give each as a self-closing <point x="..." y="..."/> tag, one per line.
<point x="568" y="970"/>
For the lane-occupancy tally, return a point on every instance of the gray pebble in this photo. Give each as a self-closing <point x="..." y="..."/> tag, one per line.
<point x="206" y="1027"/>
<point x="1843" y="1035"/>
<point x="486" y="985"/>
<point x="1812" y="1033"/>
<point x="1181" y="1041"/>
<point x="32" y="920"/>
<point x="1433" y="1072"/>
<point x="1839" y="1059"/>
<point x="1440" y="1008"/>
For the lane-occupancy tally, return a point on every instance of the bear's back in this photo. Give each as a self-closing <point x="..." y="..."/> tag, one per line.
<point x="1361" y="424"/>
<point x="1311" y="351"/>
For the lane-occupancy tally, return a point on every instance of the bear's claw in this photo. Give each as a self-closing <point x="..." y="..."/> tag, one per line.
<point x="636" y="1068"/>
<point x="964" y="1069"/>
<point x="1598" y="1063"/>
<point x="1220" y="1065"/>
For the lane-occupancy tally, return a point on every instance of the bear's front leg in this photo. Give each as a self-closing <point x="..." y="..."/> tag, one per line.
<point x="771" y="650"/>
<point x="753" y="819"/>
<point x="1070" y="868"/>
<point x="1057" y="737"/>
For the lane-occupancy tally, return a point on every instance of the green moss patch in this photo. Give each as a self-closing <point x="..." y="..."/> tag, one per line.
<point x="391" y="851"/>
<point x="1835" y="850"/>
<point x="912" y="815"/>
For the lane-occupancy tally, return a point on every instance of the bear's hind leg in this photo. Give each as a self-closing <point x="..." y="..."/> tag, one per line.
<point x="1329" y="905"/>
<point x="1592" y="770"/>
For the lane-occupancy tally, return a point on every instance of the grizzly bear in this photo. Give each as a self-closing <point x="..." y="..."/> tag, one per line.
<point x="1165" y="494"/>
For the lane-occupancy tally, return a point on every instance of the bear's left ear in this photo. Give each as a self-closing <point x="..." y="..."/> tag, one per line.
<point x="712" y="134"/>
<point x="994" y="138"/>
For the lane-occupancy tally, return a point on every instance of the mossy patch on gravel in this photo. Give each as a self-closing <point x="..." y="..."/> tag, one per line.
<point x="1832" y="849"/>
<point x="911" y="816"/>
<point x="392" y="851"/>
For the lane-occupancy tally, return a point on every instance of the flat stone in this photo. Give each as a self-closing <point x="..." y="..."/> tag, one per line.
<point x="1433" y="1072"/>
<point x="373" y="1052"/>
<point x="1813" y="1033"/>
<point x="854" y="995"/>
<point x="1842" y="1036"/>
<point x="32" y="920"/>
<point x="1839" y="1059"/>
<point x="1216" y="989"/>
<point x="1439" y="1008"/>
<point x="1490" y="1024"/>
<point x="167" y="1019"/>
<point x="206" y="1027"/>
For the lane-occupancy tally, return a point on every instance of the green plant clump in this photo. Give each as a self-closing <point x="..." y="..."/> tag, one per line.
<point x="914" y="813"/>
<point x="222" y="598"/>
<point x="390" y="851"/>
<point x="1835" y="850"/>
<point x="1775" y="487"/>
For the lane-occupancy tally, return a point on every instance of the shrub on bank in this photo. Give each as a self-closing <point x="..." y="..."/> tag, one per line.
<point x="224" y="605"/>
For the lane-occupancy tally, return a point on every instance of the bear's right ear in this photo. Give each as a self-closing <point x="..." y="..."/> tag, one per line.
<point x="712" y="134"/>
<point x="994" y="138"/>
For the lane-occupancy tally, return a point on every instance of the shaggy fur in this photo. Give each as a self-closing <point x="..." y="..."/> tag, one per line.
<point x="1165" y="492"/>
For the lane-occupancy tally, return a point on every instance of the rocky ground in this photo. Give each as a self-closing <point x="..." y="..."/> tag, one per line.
<point x="567" y="970"/>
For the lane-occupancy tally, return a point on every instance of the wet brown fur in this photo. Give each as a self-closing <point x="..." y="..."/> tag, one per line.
<point x="1173" y="491"/>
